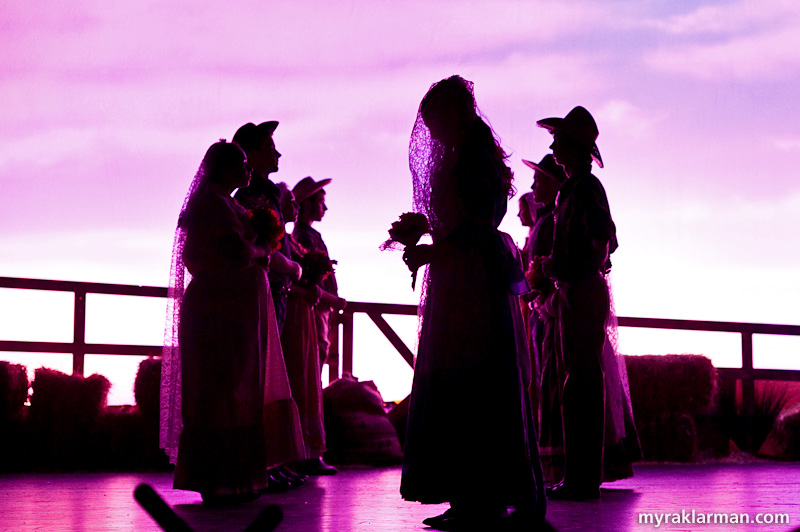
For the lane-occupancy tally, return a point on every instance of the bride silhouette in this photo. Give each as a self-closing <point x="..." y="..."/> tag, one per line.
<point x="469" y="403"/>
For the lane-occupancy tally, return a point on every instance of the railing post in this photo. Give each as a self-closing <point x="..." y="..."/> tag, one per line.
<point x="347" y="342"/>
<point x="334" y="353"/>
<point x="79" y="333"/>
<point x="748" y="384"/>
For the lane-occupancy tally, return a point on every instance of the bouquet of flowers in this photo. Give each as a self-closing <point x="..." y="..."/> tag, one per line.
<point x="268" y="226"/>
<point x="407" y="231"/>
<point x="535" y="274"/>
<point x="317" y="267"/>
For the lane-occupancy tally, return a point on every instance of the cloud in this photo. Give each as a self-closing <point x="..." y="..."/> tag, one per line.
<point x="276" y="39"/>
<point x="728" y="18"/>
<point x="741" y="41"/>
<point x="786" y="144"/>
<point x="628" y="119"/>
<point x="764" y="57"/>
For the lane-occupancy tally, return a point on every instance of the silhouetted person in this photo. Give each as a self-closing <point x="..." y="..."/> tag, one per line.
<point x="547" y="178"/>
<point x="584" y="237"/>
<point x="300" y="346"/>
<point x="259" y="196"/>
<point x="219" y="339"/>
<point x="469" y="408"/>
<point x="310" y="195"/>
<point x="526" y="214"/>
<point x="262" y="193"/>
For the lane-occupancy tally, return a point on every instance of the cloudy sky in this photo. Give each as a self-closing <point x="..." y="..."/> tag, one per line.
<point x="107" y="109"/>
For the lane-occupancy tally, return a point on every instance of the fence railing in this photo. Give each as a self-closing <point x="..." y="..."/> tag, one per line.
<point x="342" y="332"/>
<point x="78" y="347"/>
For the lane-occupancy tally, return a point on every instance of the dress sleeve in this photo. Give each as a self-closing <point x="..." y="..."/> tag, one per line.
<point x="215" y="237"/>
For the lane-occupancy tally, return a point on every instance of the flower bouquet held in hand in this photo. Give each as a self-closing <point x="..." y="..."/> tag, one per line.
<point x="536" y="274"/>
<point x="317" y="267"/>
<point x="268" y="227"/>
<point x="406" y="232"/>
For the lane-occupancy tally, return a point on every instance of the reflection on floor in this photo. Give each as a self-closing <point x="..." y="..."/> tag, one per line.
<point x="368" y="499"/>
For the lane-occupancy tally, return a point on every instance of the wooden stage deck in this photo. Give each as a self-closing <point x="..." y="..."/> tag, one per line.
<point x="368" y="500"/>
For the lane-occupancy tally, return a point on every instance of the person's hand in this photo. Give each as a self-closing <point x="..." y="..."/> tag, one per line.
<point x="417" y="256"/>
<point x="332" y="301"/>
<point x="339" y="304"/>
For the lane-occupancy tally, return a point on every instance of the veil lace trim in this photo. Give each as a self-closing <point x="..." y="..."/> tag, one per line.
<point x="170" y="420"/>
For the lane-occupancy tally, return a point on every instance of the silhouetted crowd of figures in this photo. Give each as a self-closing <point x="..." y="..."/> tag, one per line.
<point x="241" y="391"/>
<point x="525" y="339"/>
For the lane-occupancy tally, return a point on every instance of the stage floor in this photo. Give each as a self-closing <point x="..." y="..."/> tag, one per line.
<point x="368" y="500"/>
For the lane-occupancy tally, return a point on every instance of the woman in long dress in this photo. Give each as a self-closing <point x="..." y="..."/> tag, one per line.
<point x="222" y="345"/>
<point x="301" y="351"/>
<point x="469" y="404"/>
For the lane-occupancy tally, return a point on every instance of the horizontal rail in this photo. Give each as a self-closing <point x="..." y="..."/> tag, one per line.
<point x="759" y="374"/>
<point x="89" y="349"/>
<point x="77" y="286"/>
<point x="709" y="326"/>
<point x="344" y="320"/>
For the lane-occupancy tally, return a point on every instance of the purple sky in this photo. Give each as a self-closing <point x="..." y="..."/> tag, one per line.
<point x="107" y="109"/>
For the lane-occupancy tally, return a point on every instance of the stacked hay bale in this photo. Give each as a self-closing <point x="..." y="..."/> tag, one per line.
<point x="130" y="434"/>
<point x="13" y="394"/>
<point x="65" y="417"/>
<point x="670" y="393"/>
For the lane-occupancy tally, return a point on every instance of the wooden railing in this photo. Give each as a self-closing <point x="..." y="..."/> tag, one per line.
<point x="78" y="347"/>
<point x="341" y="361"/>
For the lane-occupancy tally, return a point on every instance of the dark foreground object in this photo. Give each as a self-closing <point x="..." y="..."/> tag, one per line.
<point x="368" y="500"/>
<point x="269" y="518"/>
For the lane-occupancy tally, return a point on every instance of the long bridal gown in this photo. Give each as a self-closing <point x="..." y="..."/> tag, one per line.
<point x="237" y="411"/>
<point x="470" y="415"/>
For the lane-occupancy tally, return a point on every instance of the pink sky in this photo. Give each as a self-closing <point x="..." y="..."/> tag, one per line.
<point x="107" y="109"/>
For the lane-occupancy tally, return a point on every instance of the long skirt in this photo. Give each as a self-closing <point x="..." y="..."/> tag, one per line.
<point x="301" y="352"/>
<point x="237" y="410"/>
<point x="587" y="433"/>
<point x="469" y="406"/>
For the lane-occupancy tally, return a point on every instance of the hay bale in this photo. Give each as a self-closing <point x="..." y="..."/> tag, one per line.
<point x="787" y="434"/>
<point x="671" y="383"/>
<point x="357" y="428"/>
<point x="64" y="414"/>
<point x="671" y="437"/>
<point x="667" y="392"/>
<point x="147" y="387"/>
<point x="13" y="390"/>
<point x="13" y="393"/>
<point x="127" y="440"/>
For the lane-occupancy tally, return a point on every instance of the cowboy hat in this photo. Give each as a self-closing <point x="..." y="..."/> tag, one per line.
<point x="579" y="125"/>
<point x="250" y="136"/>
<point x="307" y="187"/>
<point x="548" y="167"/>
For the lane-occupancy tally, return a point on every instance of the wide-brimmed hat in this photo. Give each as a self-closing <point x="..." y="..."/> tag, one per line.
<point x="548" y="167"/>
<point x="579" y="125"/>
<point x="251" y="136"/>
<point x="307" y="187"/>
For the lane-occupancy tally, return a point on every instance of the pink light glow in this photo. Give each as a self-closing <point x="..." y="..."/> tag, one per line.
<point x="108" y="108"/>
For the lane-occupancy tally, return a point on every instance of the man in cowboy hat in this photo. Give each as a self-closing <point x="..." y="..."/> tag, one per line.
<point x="262" y="193"/>
<point x="584" y="236"/>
